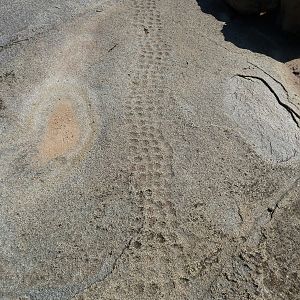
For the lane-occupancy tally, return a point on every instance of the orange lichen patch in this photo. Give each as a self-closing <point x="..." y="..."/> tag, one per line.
<point x="62" y="133"/>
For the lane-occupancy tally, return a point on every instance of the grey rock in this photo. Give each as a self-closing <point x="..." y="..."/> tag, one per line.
<point x="268" y="123"/>
<point x="130" y="163"/>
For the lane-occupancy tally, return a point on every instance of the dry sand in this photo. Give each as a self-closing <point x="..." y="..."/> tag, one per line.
<point x="143" y="156"/>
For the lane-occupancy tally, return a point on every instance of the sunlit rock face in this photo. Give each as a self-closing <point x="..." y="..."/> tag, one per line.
<point x="267" y="123"/>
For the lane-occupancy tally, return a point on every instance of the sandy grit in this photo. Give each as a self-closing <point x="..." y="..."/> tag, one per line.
<point x="62" y="133"/>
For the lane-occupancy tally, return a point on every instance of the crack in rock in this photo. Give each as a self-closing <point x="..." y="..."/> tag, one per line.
<point x="293" y="114"/>
<point x="265" y="120"/>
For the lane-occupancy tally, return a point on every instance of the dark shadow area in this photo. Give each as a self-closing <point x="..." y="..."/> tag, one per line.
<point x="260" y="34"/>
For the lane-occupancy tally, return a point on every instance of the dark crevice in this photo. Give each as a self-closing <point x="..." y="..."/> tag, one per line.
<point x="274" y="209"/>
<point x="295" y="116"/>
<point x="112" y="48"/>
<point x="277" y="81"/>
<point x="13" y="42"/>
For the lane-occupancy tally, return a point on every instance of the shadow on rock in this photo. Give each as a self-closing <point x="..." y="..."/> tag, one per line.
<point x="260" y="34"/>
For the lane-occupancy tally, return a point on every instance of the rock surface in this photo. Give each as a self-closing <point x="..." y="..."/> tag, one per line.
<point x="143" y="156"/>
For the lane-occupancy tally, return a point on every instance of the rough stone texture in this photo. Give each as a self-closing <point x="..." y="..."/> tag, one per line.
<point x="143" y="157"/>
<point x="272" y="126"/>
